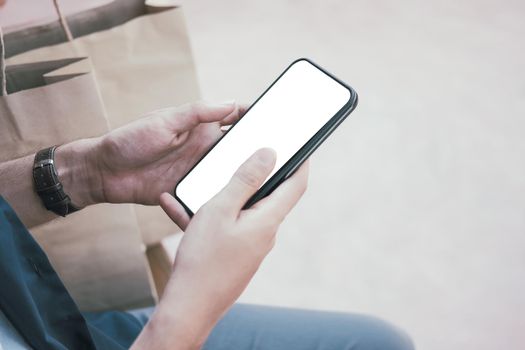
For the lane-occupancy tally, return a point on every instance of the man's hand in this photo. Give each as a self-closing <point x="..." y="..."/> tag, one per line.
<point x="139" y="161"/>
<point x="221" y="250"/>
<point x="132" y="164"/>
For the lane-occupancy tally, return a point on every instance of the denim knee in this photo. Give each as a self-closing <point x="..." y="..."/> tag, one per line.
<point x="377" y="334"/>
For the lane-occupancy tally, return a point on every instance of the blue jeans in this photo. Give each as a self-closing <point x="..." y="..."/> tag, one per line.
<point x="274" y="328"/>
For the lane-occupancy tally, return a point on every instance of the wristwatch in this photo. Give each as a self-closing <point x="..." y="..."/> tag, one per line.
<point x="48" y="186"/>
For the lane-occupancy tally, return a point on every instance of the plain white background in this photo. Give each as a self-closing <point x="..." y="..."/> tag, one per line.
<point x="416" y="206"/>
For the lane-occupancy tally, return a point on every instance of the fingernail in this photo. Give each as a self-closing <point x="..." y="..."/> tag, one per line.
<point x="228" y="102"/>
<point x="267" y="156"/>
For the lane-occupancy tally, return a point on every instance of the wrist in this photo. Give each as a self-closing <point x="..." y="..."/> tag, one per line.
<point x="77" y="171"/>
<point x="168" y="329"/>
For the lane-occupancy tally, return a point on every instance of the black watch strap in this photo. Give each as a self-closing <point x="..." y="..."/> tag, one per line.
<point x="47" y="184"/>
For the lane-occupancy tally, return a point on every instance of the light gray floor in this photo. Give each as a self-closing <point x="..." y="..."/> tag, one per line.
<point x="416" y="205"/>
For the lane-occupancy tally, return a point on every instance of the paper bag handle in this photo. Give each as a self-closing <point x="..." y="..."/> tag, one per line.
<point x="63" y="21"/>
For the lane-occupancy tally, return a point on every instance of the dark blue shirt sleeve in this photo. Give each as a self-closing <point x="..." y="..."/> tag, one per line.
<point x="35" y="301"/>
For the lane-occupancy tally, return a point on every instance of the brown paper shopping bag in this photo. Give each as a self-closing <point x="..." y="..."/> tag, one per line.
<point x="98" y="252"/>
<point x="142" y="65"/>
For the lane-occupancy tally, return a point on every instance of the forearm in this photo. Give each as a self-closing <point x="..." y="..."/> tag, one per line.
<point x="75" y="172"/>
<point x="168" y="332"/>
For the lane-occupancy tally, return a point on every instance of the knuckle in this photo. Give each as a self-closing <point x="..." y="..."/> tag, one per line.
<point x="249" y="176"/>
<point x="268" y="231"/>
<point x="196" y="108"/>
<point x="271" y="225"/>
<point x="255" y="243"/>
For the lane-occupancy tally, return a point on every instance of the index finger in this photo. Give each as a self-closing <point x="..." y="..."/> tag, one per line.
<point x="189" y="116"/>
<point x="233" y="117"/>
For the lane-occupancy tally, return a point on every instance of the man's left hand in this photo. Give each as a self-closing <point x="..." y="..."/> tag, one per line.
<point x="141" y="160"/>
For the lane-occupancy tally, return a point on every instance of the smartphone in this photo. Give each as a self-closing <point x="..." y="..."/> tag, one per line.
<point x="293" y="116"/>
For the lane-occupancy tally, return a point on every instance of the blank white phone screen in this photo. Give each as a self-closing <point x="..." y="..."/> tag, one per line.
<point x="293" y="110"/>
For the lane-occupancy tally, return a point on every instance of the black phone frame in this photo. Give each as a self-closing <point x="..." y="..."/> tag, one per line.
<point x="301" y="155"/>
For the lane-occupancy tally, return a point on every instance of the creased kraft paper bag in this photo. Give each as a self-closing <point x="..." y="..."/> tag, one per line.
<point x="98" y="252"/>
<point x="141" y="65"/>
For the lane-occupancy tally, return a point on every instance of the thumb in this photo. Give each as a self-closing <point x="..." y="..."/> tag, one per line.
<point x="247" y="180"/>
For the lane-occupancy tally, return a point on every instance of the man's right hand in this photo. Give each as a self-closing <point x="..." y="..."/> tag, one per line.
<point x="220" y="252"/>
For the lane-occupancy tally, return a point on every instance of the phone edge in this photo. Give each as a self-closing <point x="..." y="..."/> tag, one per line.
<point x="272" y="183"/>
<point x="295" y="162"/>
